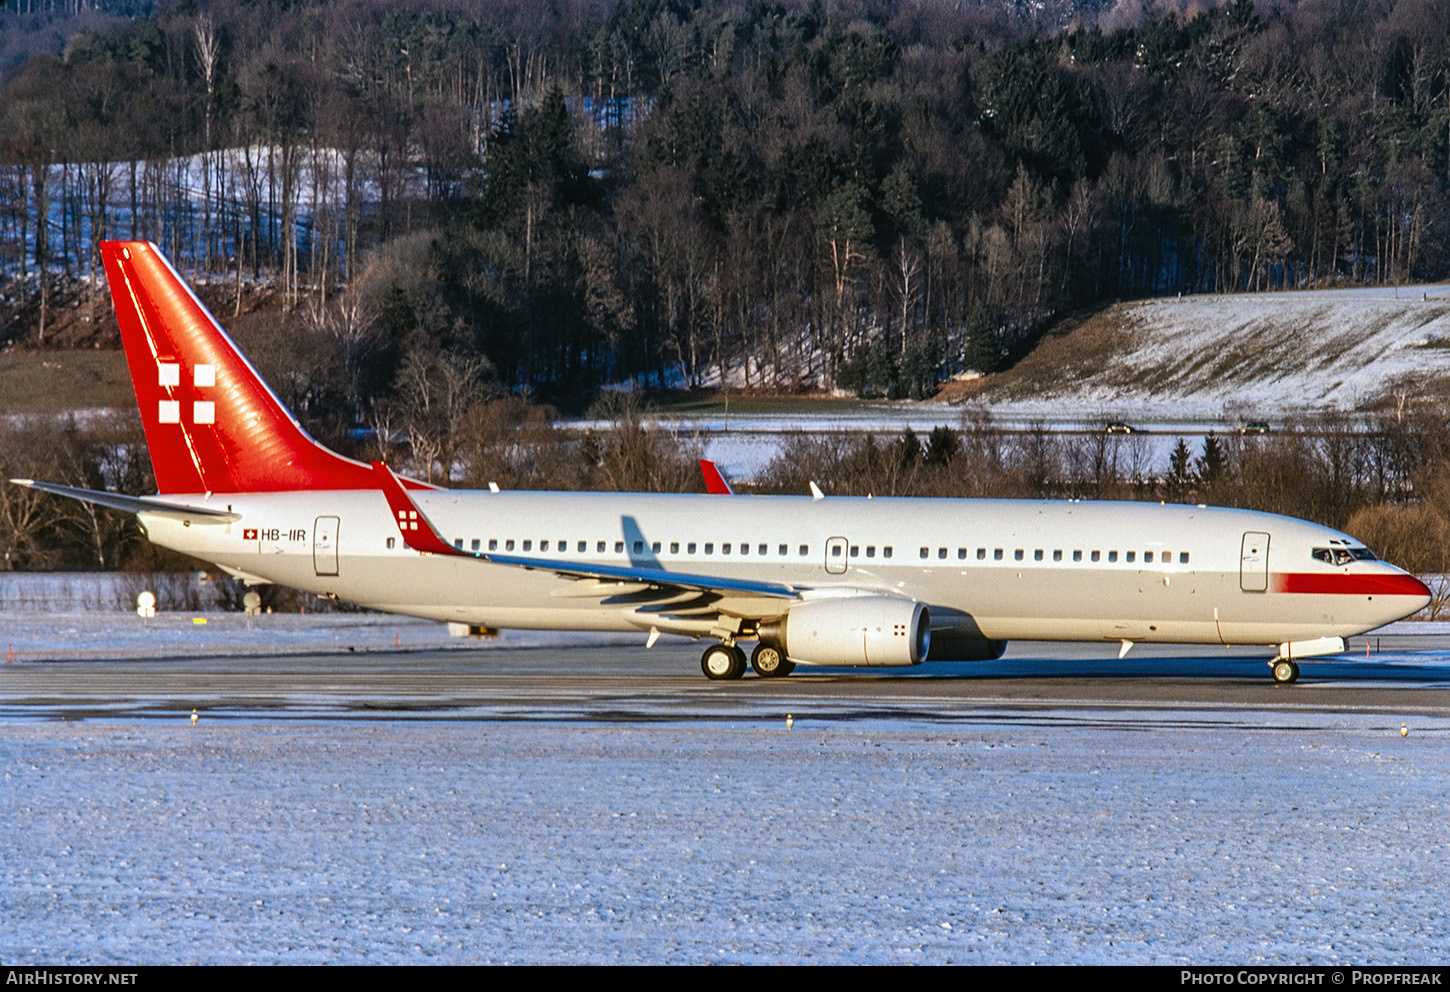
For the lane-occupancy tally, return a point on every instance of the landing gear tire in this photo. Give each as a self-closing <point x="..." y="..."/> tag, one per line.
<point x="770" y="662"/>
<point x="722" y="661"/>
<point x="1285" y="671"/>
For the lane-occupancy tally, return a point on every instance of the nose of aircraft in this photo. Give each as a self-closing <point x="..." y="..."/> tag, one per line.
<point x="1398" y="594"/>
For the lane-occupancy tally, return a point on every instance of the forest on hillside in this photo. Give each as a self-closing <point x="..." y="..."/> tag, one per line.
<point x="783" y="195"/>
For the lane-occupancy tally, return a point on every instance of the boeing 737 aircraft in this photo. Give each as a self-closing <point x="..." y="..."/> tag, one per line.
<point x="812" y="580"/>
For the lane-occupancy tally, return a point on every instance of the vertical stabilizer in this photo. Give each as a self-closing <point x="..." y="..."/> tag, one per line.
<point x="212" y="424"/>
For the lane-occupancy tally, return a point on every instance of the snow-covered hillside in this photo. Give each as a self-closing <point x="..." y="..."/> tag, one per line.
<point x="1238" y="356"/>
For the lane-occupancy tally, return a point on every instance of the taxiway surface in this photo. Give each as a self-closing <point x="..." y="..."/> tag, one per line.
<point x="1401" y="674"/>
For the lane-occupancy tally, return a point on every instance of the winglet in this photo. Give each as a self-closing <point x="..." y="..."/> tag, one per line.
<point x="417" y="530"/>
<point x="715" y="483"/>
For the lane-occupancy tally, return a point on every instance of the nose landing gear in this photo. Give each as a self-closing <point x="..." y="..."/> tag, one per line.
<point x="1285" y="671"/>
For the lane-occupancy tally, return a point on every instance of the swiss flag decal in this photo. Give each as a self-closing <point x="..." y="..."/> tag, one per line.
<point x="249" y="533"/>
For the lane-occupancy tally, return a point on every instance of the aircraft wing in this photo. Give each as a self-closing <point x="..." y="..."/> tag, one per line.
<point x="715" y="483"/>
<point x="419" y="534"/>
<point x="135" y="504"/>
<point x="648" y="576"/>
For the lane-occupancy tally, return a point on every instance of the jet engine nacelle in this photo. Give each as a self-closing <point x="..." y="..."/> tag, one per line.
<point x="857" y="630"/>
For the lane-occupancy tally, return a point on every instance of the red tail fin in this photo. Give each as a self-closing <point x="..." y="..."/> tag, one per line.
<point x="211" y="422"/>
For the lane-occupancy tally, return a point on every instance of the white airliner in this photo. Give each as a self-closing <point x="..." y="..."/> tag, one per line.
<point x="812" y="580"/>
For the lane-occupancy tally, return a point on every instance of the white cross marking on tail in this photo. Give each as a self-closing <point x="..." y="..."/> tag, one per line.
<point x="168" y="374"/>
<point x="204" y="375"/>
<point x="203" y="412"/>
<point x="169" y="412"/>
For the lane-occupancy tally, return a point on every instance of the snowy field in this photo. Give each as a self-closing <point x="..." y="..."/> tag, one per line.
<point x="904" y="831"/>
<point x="992" y="837"/>
<point x="1264" y="355"/>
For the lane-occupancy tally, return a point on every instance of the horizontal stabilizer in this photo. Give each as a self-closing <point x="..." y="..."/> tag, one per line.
<point x="135" y="504"/>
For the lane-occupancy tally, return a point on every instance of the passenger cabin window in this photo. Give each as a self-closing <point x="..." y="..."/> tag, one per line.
<point x="638" y="546"/>
<point x="390" y="544"/>
<point x="981" y="554"/>
<point x="543" y="545"/>
<point x="886" y="551"/>
<point x="1097" y="556"/>
<point x="655" y="547"/>
<point x="1148" y="557"/>
<point x="725" y="549"/>
<point x="582" y="546"/>
<point x="619" y="547"/>
<point x="1183" y="557"/>
<point x="528" y="545"/>
<point x="493" y="544"/>
<point x="1077" y="556"/>
<point x="805" y="550"/>
<point x="508" y="545"/>
<point x="783" y="550"/>
<point x="458" y="543"/>
<point x="926" y="552"/>
<point x="690" y="548"/>
<point x="764" y="550"/>
<point x="1018" y="554"/>
<point x="997" y="554"/>
<point x="1057" y="555"/>
<point x="674" y="547"/>
<point x="870" y="551"/>
<point x="476" y="544"/>
<point x="1130" y="556"/>
<point x="941" y="552"/>
<point x="599" y="547"/>
<point x="1037" y="555"/>
<point x="1112" y="556"/>
<point x="709" y="547"/>
<point x="961" y="553"/>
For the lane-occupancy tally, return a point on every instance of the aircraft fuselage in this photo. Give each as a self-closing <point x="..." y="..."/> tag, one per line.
<point x="999" y="569"/>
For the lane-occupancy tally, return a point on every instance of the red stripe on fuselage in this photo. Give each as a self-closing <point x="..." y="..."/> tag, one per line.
<point x="1349" y="584"/>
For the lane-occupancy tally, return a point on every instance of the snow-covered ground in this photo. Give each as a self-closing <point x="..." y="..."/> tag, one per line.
<point x="1248" y="356"/>
<point x="907" y="830"/>
<point x="981" y="836"/>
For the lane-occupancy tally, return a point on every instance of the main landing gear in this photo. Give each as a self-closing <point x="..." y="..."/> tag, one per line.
<point x="1285" y="671"/>
<point x="770" y="661"/>
<point x="722" y="661"/>
<point x="727" y="661"/>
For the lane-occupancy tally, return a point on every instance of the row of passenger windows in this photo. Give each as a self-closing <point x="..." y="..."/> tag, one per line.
<point x="804" y="550"/>
<point x="636" y="547"/>
<point x="1039" y="554"/>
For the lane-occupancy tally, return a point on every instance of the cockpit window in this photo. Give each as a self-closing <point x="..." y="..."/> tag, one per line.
<point x="1342" y="556"/>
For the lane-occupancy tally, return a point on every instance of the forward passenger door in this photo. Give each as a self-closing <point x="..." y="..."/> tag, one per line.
<point x="1254" y="562"/>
